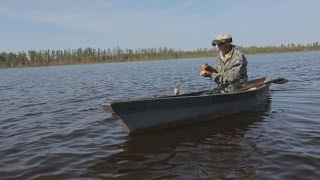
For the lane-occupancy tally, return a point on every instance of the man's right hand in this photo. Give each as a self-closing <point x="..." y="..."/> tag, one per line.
<point x="206" y="67"/>
<point x="205" y="73"/>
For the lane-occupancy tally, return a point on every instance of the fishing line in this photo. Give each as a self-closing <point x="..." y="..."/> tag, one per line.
<point x="210" y="83"/>
<point x="177" y="84"/>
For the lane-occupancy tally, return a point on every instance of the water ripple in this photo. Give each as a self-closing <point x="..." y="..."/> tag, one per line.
<point x="53" y="127"/>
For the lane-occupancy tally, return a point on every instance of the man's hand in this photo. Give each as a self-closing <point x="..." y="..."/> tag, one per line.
<point x="205" y="73"/>
<point x="206" y="67"/>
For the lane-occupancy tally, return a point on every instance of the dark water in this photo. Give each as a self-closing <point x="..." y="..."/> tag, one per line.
<point x="52" y="125"/>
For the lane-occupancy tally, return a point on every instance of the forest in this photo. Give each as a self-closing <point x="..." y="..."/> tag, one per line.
<point x="88" y="55"/>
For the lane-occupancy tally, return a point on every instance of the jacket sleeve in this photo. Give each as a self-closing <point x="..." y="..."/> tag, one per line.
<point x="217" y="76"/>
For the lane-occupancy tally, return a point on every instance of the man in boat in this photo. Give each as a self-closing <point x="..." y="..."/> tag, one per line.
<point x="230" y="70"/>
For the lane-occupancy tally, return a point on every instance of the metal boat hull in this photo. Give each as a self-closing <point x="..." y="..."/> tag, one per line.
<point x="146" y="114"/>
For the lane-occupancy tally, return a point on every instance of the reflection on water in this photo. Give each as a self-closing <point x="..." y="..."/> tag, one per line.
<point x="207" y="150"/>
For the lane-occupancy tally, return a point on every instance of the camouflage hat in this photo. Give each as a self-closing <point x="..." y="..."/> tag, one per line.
<point x="222" y="38"/>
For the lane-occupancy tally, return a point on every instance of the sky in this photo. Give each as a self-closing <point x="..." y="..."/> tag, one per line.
<point x="180" y="24"/>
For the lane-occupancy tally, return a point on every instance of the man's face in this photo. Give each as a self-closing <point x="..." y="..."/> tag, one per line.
<point x="224" y="47"/>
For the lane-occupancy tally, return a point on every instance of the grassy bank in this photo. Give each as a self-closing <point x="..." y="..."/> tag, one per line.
<point x="90" y="55"/>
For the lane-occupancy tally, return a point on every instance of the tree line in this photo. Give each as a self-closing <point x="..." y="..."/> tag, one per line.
<point x="91" y="55"/>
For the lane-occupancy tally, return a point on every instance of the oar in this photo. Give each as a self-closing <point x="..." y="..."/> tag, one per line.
<point x="277" y="81"/>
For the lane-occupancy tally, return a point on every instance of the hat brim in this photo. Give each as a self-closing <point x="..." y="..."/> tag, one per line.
<point x="216" y="42"/>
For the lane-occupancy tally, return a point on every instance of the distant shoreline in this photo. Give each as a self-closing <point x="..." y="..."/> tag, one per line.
<point x="92" y="56"/>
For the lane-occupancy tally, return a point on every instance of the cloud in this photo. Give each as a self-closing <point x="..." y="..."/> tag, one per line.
<point x="105" y="3"/>
<point x="189" y="3"/>
<point x="72" y="19"/>
<point x="4" y="10"/>
<point x="102" y="17"/>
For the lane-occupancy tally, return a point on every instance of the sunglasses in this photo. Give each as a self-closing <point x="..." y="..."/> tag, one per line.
<point x="222" y="43"/>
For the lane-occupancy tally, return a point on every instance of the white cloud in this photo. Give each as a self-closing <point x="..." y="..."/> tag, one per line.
<point x="3" y="10"/>
<point x="108" y="21"/>
<point x="106" y="3"/>
<point x="186" y="24"/>
<point x="72" y="19"/>
<point x="189" y="3"/>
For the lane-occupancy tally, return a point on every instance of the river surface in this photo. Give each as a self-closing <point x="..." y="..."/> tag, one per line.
<point x="53" y="127"/>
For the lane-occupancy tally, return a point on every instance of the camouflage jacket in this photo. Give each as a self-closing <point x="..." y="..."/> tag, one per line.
<point x="230" y="68"/>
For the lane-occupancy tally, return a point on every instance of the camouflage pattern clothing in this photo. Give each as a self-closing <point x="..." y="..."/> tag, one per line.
<point x="230" y="70"/>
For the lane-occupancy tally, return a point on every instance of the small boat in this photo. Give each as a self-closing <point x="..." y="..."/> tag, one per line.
<point x="167" y="111"/>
